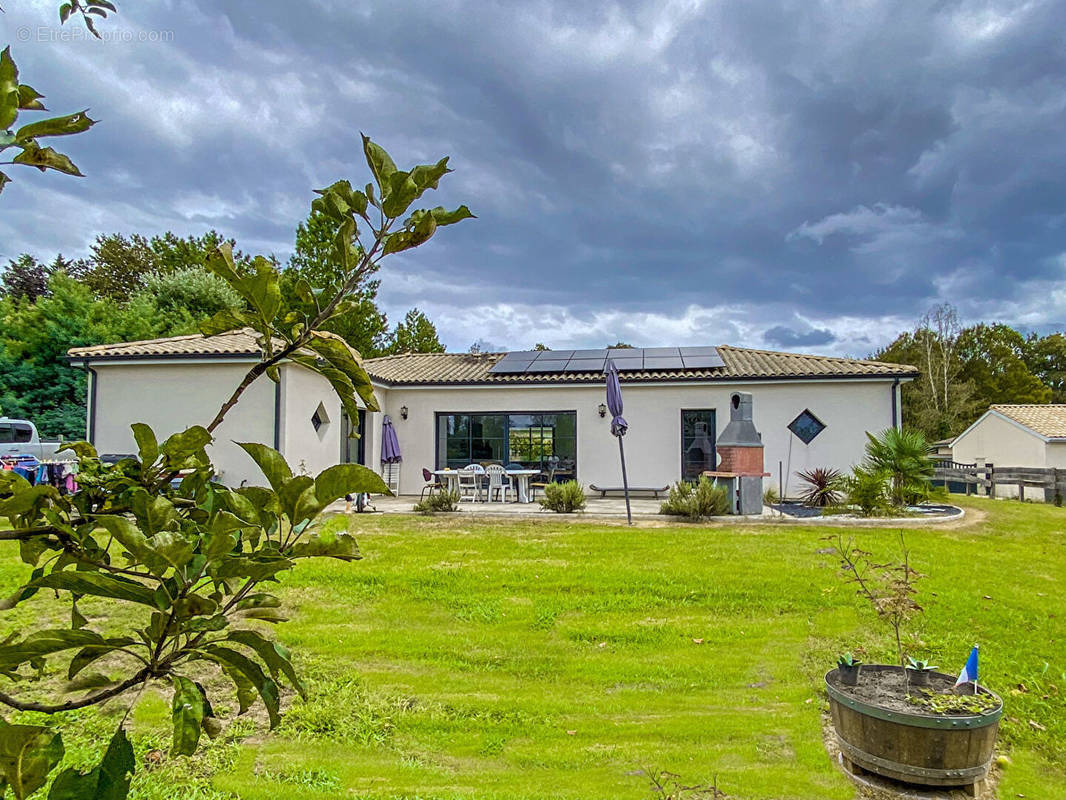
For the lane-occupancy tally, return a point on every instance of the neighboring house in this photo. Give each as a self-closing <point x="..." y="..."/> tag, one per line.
<point x="538" y="409"/>
<point x="1014" y="436"/>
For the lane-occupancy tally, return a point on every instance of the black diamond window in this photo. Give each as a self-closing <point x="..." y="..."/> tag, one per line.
<point x="316" y="420"/>
<point x="806" y="426"/>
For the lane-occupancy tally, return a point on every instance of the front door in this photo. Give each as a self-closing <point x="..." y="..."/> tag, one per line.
<point x="697" y="442"/>
<point x="353" y="451"/>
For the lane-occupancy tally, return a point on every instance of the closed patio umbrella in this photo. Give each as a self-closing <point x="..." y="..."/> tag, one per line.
<point x="390" y="445"/>
<point x="390" y="451"/>
<point x="618" y="425"/>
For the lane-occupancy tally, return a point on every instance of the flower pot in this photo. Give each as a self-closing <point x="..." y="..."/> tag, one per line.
<point x="918" y="677"/>
<point x="878" y="732"/>
<point x="849" y="673"/>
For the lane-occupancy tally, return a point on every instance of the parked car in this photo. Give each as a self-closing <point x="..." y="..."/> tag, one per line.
<point x="19" y="437"/>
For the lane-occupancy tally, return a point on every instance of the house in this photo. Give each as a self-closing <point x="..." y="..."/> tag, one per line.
<point x="1028" y="435"/>
<point x="542" y="409"/>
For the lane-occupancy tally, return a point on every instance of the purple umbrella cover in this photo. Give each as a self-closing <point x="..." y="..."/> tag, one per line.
<point x="390" y="445"/>
<point x="614" y="401"/>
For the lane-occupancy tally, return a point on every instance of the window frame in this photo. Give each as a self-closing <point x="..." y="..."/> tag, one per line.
<point x="681" y="438"/>
<point x="506" y="429"/>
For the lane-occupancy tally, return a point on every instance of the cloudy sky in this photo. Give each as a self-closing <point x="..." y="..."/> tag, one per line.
<point x="795" y="174"/>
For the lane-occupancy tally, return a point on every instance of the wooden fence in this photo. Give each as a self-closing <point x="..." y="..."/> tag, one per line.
<point x="988" y="476"/>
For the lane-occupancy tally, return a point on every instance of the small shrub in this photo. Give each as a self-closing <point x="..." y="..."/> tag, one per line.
<point x="770" y="497"/>
<point x="444" y="500"/>
<point x="563" y="498"/>
<point x="696" y="501"/>
<point x="824" y="487"/>
<point x="904" y="457"/>
<point x="867" y="489"/>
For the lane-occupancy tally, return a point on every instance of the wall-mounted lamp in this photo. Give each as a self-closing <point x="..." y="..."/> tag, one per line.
<point x="403" y="412"/>
<point x="603" y="409"/>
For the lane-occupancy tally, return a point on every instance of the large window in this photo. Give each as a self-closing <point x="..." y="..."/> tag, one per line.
<point x="547" y="442"/>
<point x="697" y="443"/>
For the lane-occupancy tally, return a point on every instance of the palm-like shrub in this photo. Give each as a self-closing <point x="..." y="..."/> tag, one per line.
<point x="696" y="501"/>
<point x="903" y="456"/>
<point x="868" y="490"/>
<point x="563" y="498"/>
<point x="824" y="487"/>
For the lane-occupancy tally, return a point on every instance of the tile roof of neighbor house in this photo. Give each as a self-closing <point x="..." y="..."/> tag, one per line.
<point x="1046" y="420"/>
<point x="427" y="369"/>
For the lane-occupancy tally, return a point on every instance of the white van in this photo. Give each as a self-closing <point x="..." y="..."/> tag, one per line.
<point x="19" y="437"/>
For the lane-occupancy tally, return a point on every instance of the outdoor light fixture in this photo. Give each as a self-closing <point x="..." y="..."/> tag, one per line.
<point x="403" y="412"/>
<point x="603" y="410"/>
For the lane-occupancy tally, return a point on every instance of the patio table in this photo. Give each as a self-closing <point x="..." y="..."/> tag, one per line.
<point x="522" y="476"/>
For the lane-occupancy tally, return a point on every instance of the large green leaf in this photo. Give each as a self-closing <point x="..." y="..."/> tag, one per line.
<point x="147" y="444"/>
<point x="297" y="498"/>
<point x="28" y="753"/>
<point x="187" y="710"/>
<point x="172" y="549"/>
<point x="46" y="642"/>
<point x="445" y="217"/>
<point x="274" y="655"/>
<point x="98" y="584"/>
<point x="56" y="126"/>
<point x="152" y="512"/>
<point x="26" y="502"/>
<point x="267" y="688"/>
<point x="126" y="534"/>
<point x="398" y="195"/>
<point x="270" y="461"/>
<point x="339" y="480"/>
<point x="109" y="780"/>
<point x="45" y="158"/>
<point x="381" y="165"/>
<point x="341" y="546"/>
<point x="227" y="319"/>
<point x="189" y="442"/>
<point x="30" y="99"/>
<point x="87" y="656"/>
<point x="9" y="86"/>
<point x="342" y="356"/>
<point x="261" y="289"/>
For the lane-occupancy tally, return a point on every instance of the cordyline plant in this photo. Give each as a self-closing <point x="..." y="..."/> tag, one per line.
<point x="187" y="555"/>
<point x="889" y="588"/>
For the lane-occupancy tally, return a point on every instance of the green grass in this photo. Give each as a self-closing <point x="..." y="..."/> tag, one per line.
<point x="543" y="659"/>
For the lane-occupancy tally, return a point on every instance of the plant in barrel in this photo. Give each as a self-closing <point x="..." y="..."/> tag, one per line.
<point x="190" y="559"/>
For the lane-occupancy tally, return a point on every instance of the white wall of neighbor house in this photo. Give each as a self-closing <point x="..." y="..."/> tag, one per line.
<point x="303" y="393"/>
<point x="1001" y="442"/>
<point x="848" y="408"/>
<point x="172" y="396"/>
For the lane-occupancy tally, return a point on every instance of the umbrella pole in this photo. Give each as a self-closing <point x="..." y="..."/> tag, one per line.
<point x="625" y="480"/>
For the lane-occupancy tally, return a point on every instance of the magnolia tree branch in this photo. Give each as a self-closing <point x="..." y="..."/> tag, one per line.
<point x="70" y="705"/>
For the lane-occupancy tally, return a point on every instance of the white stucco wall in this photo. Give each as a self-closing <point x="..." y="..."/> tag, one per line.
<point x="173" y="396"/>
<point x="1001" y="442"/>
<point x="653" y="445"/>
<point x="307" y="450"/>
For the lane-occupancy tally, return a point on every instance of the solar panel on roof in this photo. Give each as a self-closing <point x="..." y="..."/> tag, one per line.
<point x="663" y="362"/>
<point x="590" y="354"/>
<point x="585" y="365"/>
<point x="698" y="351"/>
<point x="661" y="351"/>
<point x="553" y="355"/>
<point x="702" y="362"/>
<point x="547" y="365"/>
<point x="630" y="364"/>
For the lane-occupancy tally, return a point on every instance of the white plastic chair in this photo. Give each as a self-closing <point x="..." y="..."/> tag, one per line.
<point x="470" y="482"/>
<point x="499" y="482"/>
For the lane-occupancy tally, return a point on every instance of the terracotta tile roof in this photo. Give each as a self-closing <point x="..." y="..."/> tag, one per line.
<point x="231" y="344"/>
<point x="740" y="363"/>
<point x="1046" y="420"/>
<point x="467" y="368"/>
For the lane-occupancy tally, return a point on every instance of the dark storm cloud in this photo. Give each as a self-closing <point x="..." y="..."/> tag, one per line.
<point x="662" y="173"/>
<point x="781" y="336"/>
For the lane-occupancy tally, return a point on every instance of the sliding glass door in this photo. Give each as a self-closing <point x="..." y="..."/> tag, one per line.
<point x="697" y="443"/>
<point x="542" y="441"/>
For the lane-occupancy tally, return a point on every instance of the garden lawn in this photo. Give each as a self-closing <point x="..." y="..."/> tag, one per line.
<point x="551" y="659"/>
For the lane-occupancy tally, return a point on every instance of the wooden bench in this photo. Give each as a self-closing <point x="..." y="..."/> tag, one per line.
<point x="603" y="490"/>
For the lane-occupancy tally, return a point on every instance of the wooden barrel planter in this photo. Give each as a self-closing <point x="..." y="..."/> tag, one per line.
<point x="912" y="746"/>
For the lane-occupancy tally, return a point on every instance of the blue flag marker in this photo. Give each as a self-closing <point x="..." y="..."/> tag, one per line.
<point x="969" y="672"/>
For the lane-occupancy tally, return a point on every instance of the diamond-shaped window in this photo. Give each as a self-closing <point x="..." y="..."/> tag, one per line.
<point x="320" y="418"/>
<point x="806" y="426"/>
